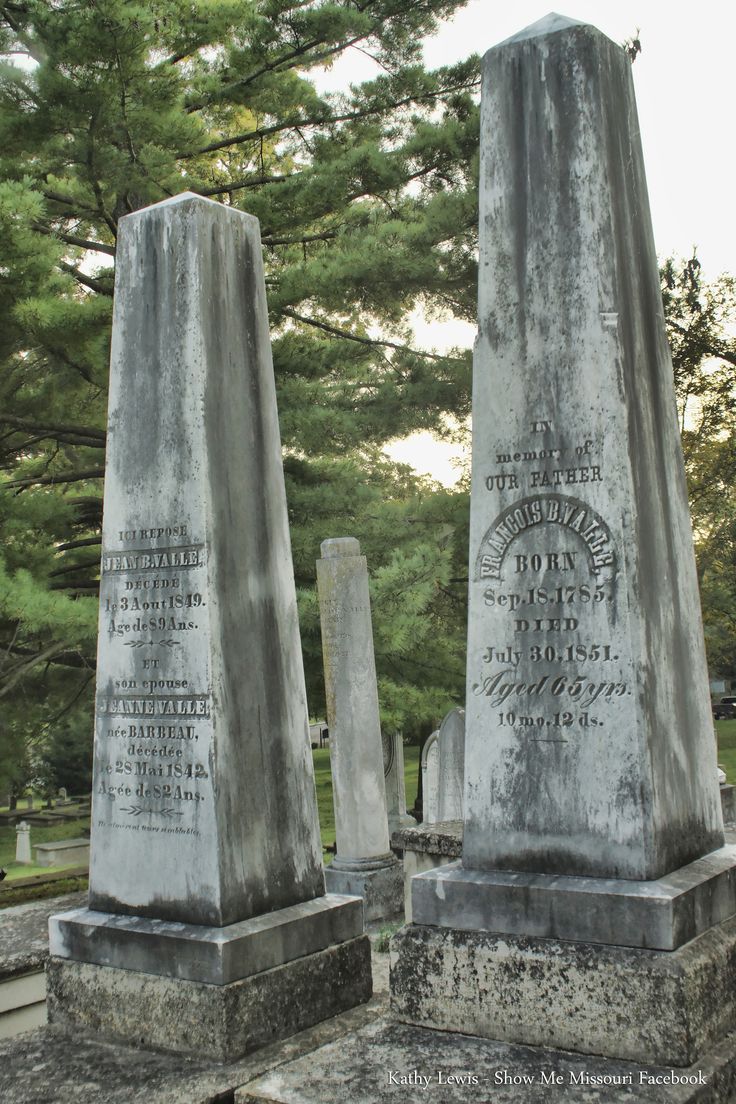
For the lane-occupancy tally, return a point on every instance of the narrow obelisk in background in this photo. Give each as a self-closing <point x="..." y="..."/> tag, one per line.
<point x="364" y="863"/>
<point x="204" y="811"/>
<point x="589" y="747"/>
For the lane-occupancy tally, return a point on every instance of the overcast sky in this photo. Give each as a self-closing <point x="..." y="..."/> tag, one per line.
<point x="684" y="80"/>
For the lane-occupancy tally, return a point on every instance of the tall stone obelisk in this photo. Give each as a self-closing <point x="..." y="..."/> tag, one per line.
<point x="364" y="863"/>
<point x="592" y="811"/>
<point x="206" y="882"/>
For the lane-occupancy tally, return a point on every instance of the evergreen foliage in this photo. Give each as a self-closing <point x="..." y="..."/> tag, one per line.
<point x="701" y="324"/>
<point x="367" y="207"/>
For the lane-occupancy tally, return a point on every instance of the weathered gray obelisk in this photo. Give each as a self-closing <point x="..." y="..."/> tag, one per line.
<point x="206" y="899"/>
<point x="364" y="863"/>
<point x="592" y="812"/>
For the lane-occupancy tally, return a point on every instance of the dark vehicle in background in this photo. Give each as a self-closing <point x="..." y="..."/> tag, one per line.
<point x="724" y="709"/>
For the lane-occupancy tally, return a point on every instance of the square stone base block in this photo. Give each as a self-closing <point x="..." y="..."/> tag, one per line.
<point x="663" y="1007"/>
<point x="223" y="1022"/>
<point x="382" y="890"/>
<point x="198" y="953"/>
<point x="659" y="915"/>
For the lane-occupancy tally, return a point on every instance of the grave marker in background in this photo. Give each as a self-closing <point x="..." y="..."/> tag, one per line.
<point x="23" y="843"/>
<point x="451" y="766"/>
<point x="393" y="773"/>
<point x="430" y="767"/>
<point x="364" y="863"/>
<point x="592" y="812"/>
<point x="206" y="886"/>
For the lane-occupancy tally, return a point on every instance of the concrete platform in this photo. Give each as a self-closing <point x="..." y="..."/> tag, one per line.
<point x="24" y="951"/>
<point x="360" y="1056"/>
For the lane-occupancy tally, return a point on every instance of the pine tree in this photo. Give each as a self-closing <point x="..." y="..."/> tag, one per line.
<point x="367" y="207"/>
<point x="700" y="324"/>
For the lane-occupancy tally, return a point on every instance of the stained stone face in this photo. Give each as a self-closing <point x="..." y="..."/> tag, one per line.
<point x="204" y="808"/>
<point x="431" y="779"/>
<point x="452" y="762"/>
<point x="589" y="746"/>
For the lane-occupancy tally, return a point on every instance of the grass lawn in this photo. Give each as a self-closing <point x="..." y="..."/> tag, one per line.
<point x="726" y="733"/>
<point x="72" y="829"/>
<point x="323" y="782"/>
<point x="67" y="829"/>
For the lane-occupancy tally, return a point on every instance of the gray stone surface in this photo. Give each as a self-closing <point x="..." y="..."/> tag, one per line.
<point x="438" y="838"/>
<point x="452" y="766"/>
<point x="660" y="915"/>
<point x="24" y="933"/>
<point x="222" y="1022"/>
<point x="393" y="776"/>
<point x="356" y="745"/>
<point x="196" y="953"/>
<point x="425" y="848"/>
<point x="201" y="740"/>
<point x="388" y="1063"/>
<point x="62" y="852"/>
<point x="589" y="736"/>
<point x="53" y="1066"/>
<point x="382" y="889"/>
<point x="430" y="767"/>
<point x="204" y="812"/>
<point x="662" y="1007"/>
<point x="348" y="1057"/>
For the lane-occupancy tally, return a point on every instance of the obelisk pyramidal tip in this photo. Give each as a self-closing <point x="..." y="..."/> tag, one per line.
<point x="547" y="25"/>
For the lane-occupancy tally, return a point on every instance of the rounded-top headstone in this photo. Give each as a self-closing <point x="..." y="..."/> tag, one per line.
<point x="339" y="546"/>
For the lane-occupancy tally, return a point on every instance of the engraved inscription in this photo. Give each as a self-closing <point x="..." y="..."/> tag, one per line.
<point x="154" y="714"/>
<point x="549" y="669"/>
<point x="569" y="514"/>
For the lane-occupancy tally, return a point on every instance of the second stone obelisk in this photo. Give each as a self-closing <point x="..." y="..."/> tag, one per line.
<point x="364" y="863"/>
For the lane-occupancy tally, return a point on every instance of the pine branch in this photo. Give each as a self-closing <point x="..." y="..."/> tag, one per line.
<point x="326" y="235"/>
<point x="68" y="658"/>
<point x="86" y="281"/>
<point x="365" y="340"/>
<point x="16" y="673"/>
<point x="50" y="480"/>
<point x="250" y="182"/>
<point x="71" y="239"/>
<point x="83" y="434"/>
<point x="82" y="543"/>
<point x="325" y="120"/>
<point x="80" y="565"/>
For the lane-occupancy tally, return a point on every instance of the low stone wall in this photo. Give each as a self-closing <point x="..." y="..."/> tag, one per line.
<point x="426" y="847"/>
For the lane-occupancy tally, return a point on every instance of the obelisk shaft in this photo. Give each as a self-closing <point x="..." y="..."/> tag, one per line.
<point x="204" y="807"/>
<point x="589" y="745"/>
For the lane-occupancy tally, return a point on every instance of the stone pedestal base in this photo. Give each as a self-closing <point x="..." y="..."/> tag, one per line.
<point x="222" y="1022"/>
<point x="381" y="888"/>
<point x="195" y="952"/>
<point x="659" y="915"/>
<point x="660" y="1007"/>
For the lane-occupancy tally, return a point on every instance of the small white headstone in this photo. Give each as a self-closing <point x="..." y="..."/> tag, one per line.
<point x="23" y="842"/>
